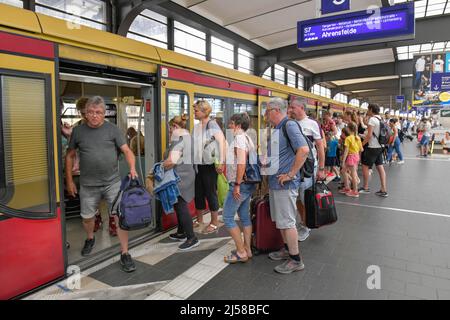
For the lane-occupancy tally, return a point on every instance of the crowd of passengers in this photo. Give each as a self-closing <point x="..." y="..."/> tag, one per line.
<point x="341" y="143"/>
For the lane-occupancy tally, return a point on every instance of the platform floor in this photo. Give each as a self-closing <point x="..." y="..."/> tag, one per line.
<point x="406" y="235"/>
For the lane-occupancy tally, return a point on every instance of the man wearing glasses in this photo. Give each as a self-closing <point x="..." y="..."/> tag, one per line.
<point x="288" y="154"/>
<point x="98" y="141"/>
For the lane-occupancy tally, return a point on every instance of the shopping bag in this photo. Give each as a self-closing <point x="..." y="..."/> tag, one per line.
<point x="222" y="189"/>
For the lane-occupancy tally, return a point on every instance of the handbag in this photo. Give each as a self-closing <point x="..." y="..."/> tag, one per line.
<point x="252" y="173"/>
<point x="319" y="206"/>
<point x="209" y="149"/>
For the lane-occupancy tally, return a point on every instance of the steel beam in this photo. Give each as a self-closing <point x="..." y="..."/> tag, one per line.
<point x="375" y="70"/>
<point x="126" y="11"/>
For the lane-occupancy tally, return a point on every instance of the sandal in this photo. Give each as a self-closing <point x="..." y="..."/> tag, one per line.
<point x="235" y="252"/>
<point x="234" y="258"/>
<point x="212" y="228"/>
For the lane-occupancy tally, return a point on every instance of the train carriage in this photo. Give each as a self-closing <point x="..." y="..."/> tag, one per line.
<point x="45" y="65"/>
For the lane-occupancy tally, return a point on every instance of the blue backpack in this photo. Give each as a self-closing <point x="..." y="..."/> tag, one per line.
<point x="133" y="205"/>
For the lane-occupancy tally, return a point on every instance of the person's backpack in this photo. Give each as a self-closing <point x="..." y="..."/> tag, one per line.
<point x="133" y="205"/>
<point x="307" y="170"/>
<point x="385" y="133"/>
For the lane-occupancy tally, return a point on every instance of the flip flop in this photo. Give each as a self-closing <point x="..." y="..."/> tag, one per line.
<point x="234" y="258"/>
<point x="214" y="229"/>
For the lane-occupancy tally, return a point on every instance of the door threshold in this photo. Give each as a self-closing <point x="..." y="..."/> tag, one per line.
<point x="110" y="252"/>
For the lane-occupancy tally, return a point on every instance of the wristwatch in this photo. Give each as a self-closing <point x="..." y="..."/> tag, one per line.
<point x="321" y="169"/>
<point x="289" y="175"/>
<point x="237" y="183"/>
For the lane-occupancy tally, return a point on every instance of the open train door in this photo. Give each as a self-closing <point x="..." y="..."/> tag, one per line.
<point x="31" y="220"/>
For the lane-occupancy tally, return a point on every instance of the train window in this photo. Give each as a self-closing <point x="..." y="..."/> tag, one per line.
<point x="24" y="154"/>
<point x="217" y="106"/>
<point x="252" y="111"/>
<point x="177" y="104"/>
<point x="133" y="117"/>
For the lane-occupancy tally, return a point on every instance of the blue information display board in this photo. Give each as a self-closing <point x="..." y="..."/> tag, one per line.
<point x="362" y="27"/>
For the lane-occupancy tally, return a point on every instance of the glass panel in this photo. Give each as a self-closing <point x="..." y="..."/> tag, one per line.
<point x="252" y="111"/>
<point x="70" y="18"/>
<point x="133" y="118"/>
<point x="90" y="9"/>
<point x="222" y="43"/>
<point x="268" y="74"/>
<point x="16" y="3"/>
<point x="222" y="54"/>
<point x="190" y="42"/>
<point x="222" y="63"/>
<point x="279" y="74"/>
<point x="403" y="56"/>
<point x="291" y="78"/>
<point x="150" y="28"/>
<point x="25" y="142"/>
<point x="177" y="105"/>
<point x="147" y="40"/>
<point x="190" y="30"/>
<point x="154" y="15"/>
<point x="189" y="53"/>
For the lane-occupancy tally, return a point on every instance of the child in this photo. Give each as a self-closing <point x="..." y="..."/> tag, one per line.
<point x="331" y="160"/>
<point x="350" y="160"/>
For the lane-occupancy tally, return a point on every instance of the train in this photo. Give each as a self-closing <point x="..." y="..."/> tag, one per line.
<point x="45" y="66"/>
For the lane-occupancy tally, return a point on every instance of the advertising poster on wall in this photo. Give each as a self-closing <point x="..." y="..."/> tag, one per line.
<point x="431" y="79"/>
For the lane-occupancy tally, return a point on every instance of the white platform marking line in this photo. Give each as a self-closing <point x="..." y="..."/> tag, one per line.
<point x="186" y="284"/>
<point x="427" y="159"/>
<point x="394" y="209"/>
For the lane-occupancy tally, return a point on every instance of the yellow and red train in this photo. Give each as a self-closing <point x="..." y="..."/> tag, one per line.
<point x="45" y="65"/>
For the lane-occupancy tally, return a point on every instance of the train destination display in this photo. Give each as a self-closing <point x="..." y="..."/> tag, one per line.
<point x="362" y="27"/>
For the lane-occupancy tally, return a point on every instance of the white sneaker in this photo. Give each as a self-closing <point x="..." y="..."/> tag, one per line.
<point x="401" y="162"/>
<point x="303" y="233"/>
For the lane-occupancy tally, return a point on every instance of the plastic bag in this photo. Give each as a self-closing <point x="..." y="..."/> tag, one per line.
<point x="222" y="189"/>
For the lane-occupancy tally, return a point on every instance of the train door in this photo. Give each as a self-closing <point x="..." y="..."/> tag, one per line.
<point x="128" y="104"/>
<point x="31" y="226"/>
<point x="177" y="103"/>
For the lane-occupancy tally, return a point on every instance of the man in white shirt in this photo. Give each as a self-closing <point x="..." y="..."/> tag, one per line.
<point x="438" y="64"/>
<point x="420" y="68"/>
<point x="373" y="152"/>
<point x="311" y="129"/>
<point x="425" y="127"/>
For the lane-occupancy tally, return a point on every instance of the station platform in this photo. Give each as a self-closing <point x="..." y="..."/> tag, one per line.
<point x="405" y="235"/>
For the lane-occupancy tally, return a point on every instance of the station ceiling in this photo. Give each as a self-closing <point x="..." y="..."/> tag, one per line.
<point x="268" y="28"/>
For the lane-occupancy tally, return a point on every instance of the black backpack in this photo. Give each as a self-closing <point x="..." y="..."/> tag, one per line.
<point x="307" y="170"/>
<point x="385" y="133"/>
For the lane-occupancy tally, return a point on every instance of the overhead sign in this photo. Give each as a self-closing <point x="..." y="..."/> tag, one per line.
<point x="330" y="6"/>
<point x="362" y="27"/>
<point x="400" y="99"/>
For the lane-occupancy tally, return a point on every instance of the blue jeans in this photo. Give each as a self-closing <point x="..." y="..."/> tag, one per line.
<point x="242" y="207"/>
<point x="396" y="146"/>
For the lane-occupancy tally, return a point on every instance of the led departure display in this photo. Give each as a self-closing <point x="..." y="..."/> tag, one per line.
<point x="362" y="27"/>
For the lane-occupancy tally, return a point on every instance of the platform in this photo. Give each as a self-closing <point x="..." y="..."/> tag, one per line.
<point x="406" y="235"/>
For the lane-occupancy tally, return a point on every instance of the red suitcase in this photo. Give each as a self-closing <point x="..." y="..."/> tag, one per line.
<point x="266" y="237"/>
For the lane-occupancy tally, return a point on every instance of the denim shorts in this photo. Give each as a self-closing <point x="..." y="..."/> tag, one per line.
<point x="90" y="198"/>
<point x="425" y="140"/>
<point x="242" y="207"/>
